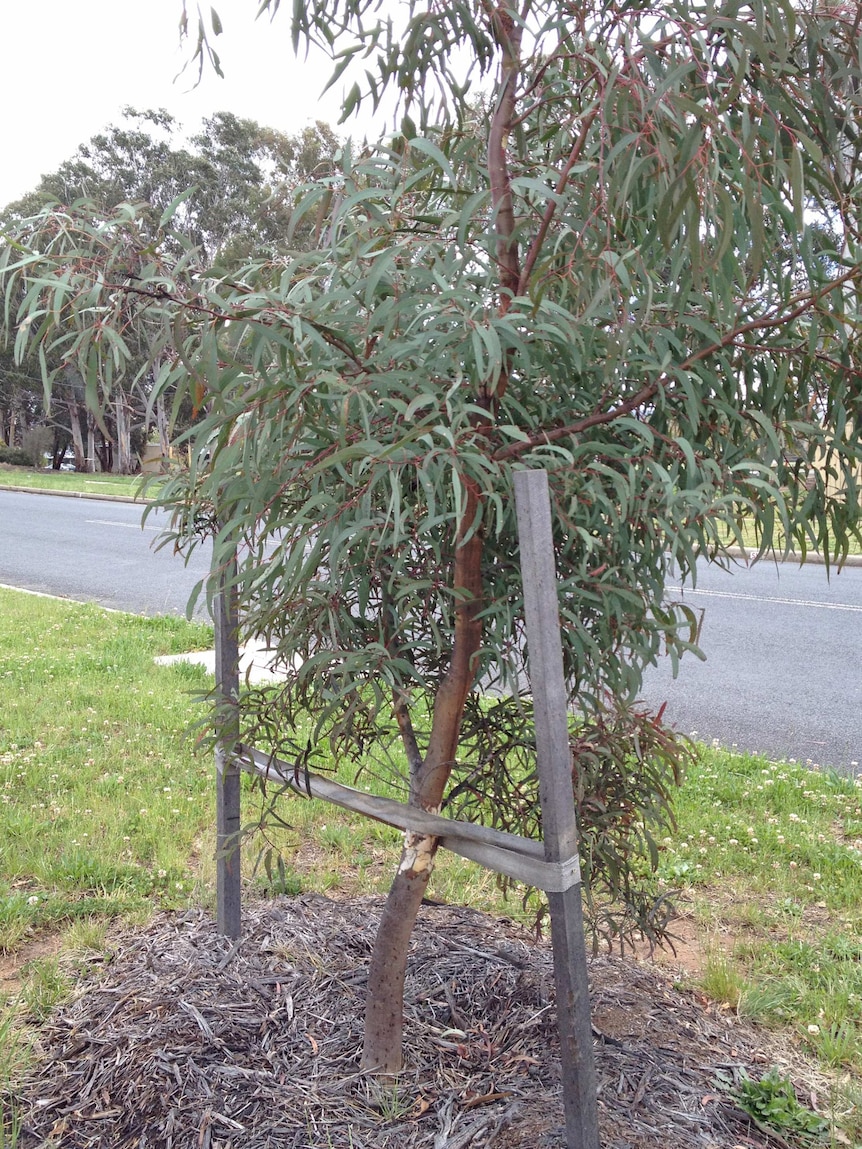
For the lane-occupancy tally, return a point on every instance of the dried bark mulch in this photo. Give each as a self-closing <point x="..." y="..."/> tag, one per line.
<point x="188" y="1040"/>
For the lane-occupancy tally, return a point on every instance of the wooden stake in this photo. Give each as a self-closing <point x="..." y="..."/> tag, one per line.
<point x="228" y="877"/>
<point x="559" y="823"/>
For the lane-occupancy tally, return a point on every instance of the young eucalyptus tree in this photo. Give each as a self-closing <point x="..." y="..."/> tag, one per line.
<point x="616" y="241"/>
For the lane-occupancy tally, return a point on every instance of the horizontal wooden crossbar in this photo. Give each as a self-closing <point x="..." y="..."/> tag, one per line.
<point x="508" y="854"/>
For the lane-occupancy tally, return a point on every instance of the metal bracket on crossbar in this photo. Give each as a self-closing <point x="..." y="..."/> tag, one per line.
<point x="509" y="854"/>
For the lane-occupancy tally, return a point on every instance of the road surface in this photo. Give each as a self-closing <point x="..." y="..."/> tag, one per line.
<point x="783" y="672"/>
<point x="783" y="644"/>
<point x="94" y="551"/>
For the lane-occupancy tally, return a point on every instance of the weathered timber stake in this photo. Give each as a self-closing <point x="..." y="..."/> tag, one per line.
<point x="559" y="823"/>
<point x="228" y="878"/>
<point x="519" y="858"/>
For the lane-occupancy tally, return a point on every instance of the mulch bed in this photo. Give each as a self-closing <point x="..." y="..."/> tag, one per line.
<point x="187" y="1040"/>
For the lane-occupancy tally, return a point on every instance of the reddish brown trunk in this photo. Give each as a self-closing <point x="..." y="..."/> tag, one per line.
<point x="384" y="1007"/>
<point x="385" y="1001"/>
<point x="507" y="33"/>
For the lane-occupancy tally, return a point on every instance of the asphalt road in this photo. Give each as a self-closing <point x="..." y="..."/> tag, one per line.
<point x="783" y="673"/>
<point x="783" y="669"/>
<point x="94" y="551"/>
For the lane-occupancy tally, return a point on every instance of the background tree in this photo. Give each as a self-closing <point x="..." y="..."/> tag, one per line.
<point x="638" y="270"/>
<point x="240" y="175"/>
<point x="21" y="395"/>
<point x="234" y="179"/>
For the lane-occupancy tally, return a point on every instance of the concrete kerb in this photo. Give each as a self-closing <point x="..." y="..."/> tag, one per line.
<point x="811" y="557"/>
<point x="104" y="498"/>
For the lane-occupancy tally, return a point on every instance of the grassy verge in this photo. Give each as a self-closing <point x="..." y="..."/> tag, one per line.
<point x="106" y="812"/>
<point x="101" y="797"/>
<point x="98" y="483"/>
<point x="104" y="808"/>
<point x="751" y="541"/>
<point x="769" y="856"/>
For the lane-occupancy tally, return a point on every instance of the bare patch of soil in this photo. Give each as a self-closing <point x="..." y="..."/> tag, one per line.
<point x="685" y="958"/>
<point x="186" y="1039"/>
<point x="13" y="964"/>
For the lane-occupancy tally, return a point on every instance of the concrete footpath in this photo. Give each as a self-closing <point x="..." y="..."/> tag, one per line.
<point x="257" y="662"/>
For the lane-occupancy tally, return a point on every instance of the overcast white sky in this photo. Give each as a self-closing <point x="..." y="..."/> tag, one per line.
<point x="69" y="66"/>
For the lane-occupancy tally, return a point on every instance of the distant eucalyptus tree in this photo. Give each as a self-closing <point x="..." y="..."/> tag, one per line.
<point x="233" y="180"/>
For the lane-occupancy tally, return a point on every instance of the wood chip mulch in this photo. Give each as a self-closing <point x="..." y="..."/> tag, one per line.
<point x="188" y="1040"/>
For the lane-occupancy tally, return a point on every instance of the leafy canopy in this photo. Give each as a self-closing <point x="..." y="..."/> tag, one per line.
<point x="619" y="242"/>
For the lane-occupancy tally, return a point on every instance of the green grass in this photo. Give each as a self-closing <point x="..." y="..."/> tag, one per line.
<point x="751" y="541"/>
<point x="99" y="483"/>
<point x="102" y="800"/>
<point x="769" y="855"/>
<point x="106" y="812"/>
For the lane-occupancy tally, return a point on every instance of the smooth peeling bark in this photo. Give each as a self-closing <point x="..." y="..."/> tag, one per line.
<point x="384" y="1006"/>
<point x="429" y="779"/>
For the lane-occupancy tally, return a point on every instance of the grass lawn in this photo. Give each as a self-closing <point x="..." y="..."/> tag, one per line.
<point x="106" y="811"/>
<point x="98" y="483"/>
<point x="769" y="861"/>
<point x="102" y="800"/>
<point x="751" y="542"/>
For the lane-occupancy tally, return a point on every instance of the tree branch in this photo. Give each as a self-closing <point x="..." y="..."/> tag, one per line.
<point x="802" y="303"/>
<point x="551" y="207"/>
<point x="161" y="294"/>
<point x="507" y="32"/>
<point x="456" y="684"/>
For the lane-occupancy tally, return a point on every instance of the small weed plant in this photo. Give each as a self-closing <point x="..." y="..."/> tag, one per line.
<point x="773" y="1105"/>
<point x="14" y="1054"/>
<point x="45" y="984"/>
<point x="10" y="1125"/>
